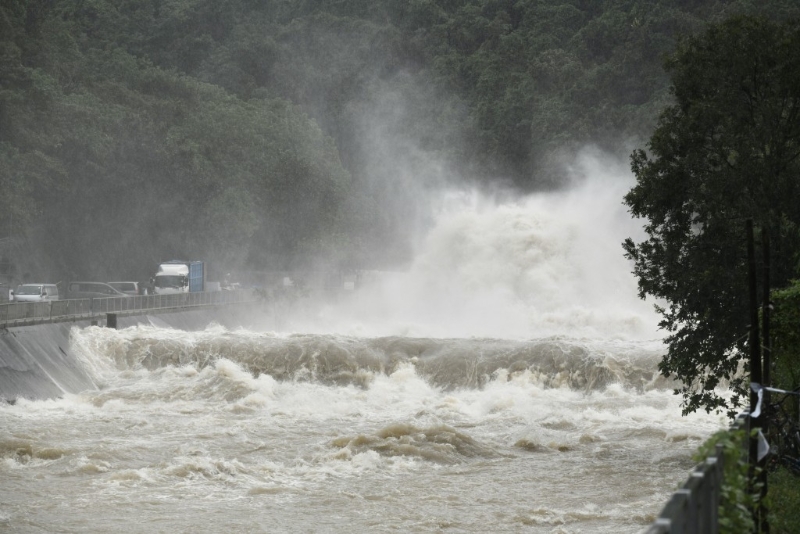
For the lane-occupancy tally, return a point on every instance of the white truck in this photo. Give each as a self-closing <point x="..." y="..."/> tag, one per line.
<point x="178" y="276"/>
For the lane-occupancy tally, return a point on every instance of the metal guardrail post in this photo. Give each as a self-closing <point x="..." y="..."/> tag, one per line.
<point x="676" y="512"/>
<point x="713" y="472"/>
<point x="699" y="500"/>
<point x="659" y="526"/>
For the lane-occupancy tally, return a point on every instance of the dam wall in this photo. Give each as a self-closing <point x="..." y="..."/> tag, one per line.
<point x="37" y="361"/>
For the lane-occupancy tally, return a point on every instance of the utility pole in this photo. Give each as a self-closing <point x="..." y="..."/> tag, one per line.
<point x="760" y="512"/>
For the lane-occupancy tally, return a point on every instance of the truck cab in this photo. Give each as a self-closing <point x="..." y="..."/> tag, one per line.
<point x="177" y="276"/>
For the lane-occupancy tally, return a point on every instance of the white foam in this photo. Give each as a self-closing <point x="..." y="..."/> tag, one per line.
<point x="540" y="265"/>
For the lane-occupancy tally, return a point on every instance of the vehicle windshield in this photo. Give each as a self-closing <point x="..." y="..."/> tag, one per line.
<point x="28" y="290"/>
<point x="170" y="281"/>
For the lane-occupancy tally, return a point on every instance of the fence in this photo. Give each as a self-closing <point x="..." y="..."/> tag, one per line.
<point x="26" y="313"/>
<point x="694" y="508"/>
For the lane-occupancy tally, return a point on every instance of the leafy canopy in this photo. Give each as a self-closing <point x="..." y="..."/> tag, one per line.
<point x="726" y="151"/>
<point x="269" y="133"/>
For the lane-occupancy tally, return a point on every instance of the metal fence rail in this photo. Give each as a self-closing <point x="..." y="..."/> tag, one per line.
<point x="694" y="508"/>
<point x="26" y="313"/>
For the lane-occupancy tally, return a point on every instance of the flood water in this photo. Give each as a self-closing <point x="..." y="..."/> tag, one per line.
<point x="505" y="382"/>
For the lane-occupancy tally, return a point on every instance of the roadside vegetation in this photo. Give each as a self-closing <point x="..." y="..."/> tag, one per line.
<point x="784" y="485"/>
<point x="739" y="497"/>
<point x="784" y="502"/>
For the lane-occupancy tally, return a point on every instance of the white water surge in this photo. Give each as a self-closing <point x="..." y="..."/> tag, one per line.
<point x="506" y="383"/>
<point x="548" y="264"/>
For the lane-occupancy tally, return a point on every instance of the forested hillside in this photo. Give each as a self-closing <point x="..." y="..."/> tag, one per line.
<point x="269" y="134"/>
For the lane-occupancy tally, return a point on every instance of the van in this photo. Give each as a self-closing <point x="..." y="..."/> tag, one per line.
<point x="87" y="290"/>
<point x="36" y="293"/>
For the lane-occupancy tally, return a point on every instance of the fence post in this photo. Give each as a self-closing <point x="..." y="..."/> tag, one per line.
<point x="766" y="374"/>
<point x="715" y="473"/>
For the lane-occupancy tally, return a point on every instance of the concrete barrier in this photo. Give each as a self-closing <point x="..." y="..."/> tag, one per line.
<point x="36" y="362"/>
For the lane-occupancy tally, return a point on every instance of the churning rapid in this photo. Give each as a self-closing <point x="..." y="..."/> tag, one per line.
<point x="507" y="382"/>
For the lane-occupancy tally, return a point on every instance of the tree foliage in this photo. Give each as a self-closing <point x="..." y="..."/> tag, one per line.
<point x="725" y="152"/>
<point x="785" y="336"/>
<point x="271" y="133"/>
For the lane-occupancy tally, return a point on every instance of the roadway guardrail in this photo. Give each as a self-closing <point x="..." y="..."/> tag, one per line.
<point x="27" y="313"/>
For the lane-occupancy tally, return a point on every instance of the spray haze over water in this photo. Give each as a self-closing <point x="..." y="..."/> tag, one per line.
<point x="505" y="382"/>
<point x="495" y="266"/>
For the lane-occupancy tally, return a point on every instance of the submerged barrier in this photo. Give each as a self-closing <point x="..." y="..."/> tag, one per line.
<point x="694" y="508"/>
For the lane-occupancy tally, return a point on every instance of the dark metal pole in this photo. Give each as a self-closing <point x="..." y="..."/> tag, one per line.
<point x="766" y="312"/>
<point x="755" y="367"/>
<point x="755" y="342"/>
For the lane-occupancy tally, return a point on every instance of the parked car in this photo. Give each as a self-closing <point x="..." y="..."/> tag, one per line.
<point x="36" y="293"/>
<point x="87" y="290"/>
<point x="129" y="288"/>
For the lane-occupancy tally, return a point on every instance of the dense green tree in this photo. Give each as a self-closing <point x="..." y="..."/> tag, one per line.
<point x="785" y="336"/>
<point x="725" y="152"/>
<point x="309" y="129"/>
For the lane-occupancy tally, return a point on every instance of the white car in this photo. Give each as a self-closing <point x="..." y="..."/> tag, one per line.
<point x="36" y="293"/>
